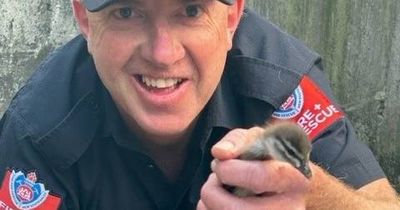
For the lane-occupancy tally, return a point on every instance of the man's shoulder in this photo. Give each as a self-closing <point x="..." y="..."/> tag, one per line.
<point x="265" y="62"/>
<point x="258" y="38"/>
<point x="59" y="104"/>
<point x="58" y="83"/>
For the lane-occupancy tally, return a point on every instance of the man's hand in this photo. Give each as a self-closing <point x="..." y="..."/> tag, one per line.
<point x="278" y="185"/>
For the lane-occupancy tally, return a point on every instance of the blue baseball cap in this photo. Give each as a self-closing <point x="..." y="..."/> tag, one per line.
<point x="96" y="5"/>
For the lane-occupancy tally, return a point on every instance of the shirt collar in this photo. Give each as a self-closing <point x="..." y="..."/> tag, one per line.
<point x="115" y="127"/>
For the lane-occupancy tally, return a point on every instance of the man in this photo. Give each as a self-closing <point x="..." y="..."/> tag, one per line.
<point x="132" y="113"/>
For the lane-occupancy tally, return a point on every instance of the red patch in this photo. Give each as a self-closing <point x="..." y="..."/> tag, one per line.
<point x="25" y="193"/>
<point x="310" y="108"/>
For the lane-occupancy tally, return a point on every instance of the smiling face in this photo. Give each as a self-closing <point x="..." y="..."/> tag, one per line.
<point x="161" y="60"/>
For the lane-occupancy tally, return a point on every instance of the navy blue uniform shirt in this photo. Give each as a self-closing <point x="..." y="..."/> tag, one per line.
<point x="62" y="129"/>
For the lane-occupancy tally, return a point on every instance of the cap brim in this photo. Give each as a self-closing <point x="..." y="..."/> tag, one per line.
<point x="97" y="5"/>
<point x="229" y="2"/>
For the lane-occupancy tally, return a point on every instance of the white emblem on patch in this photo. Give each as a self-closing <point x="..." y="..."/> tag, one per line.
<point x="25" y="193"/>
<point x="292" y="107"/>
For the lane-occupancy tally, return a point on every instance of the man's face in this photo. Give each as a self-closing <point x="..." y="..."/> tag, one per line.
<point x="161" y="60"/>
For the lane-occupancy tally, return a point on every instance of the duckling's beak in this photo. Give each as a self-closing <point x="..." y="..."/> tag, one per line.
<point x="305" y="170"/>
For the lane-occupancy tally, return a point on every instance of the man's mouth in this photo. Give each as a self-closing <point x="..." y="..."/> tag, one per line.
<point x="159" y="83"/>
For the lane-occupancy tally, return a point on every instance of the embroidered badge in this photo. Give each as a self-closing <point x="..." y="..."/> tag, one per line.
<point x="310" y="108"/>
<point x="24" y="192"/>
<point x="292" y="107"/>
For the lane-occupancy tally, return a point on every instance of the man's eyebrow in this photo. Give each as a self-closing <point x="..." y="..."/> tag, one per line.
<point x="127" y="1"/>
<point x="188" y="1"/>
<point x="136" y="2"/>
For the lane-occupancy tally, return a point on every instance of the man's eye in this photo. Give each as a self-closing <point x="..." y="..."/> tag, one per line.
<point x="193" y="10"/>
<point x="125" y="13"/>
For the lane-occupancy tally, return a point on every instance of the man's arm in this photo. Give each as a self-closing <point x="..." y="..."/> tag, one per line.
<point x="327" y="192"/>
<point x="21" y="165"/>
<point x="281" y="187"/>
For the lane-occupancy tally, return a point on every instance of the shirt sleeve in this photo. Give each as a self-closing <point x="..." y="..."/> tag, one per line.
<point x="26" y="180"/>
<point x="339" y="151"/>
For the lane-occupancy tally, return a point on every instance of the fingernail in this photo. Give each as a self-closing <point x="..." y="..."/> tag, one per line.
<point x="225" y="145"/>
<point x="213" y="163"/>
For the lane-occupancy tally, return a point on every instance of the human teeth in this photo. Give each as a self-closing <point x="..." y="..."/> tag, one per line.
<point x="160" y="83"/>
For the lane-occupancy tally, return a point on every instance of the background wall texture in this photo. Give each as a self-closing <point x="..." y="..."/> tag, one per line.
<point x="359" y="41"/>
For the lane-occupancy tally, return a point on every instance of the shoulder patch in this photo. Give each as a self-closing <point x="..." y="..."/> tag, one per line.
<point x="310" y="108"/>
<point x="24" y="192"/>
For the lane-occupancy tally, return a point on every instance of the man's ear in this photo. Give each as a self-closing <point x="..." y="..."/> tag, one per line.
<point x="80" y="14"/>
<point x="235" y="13"/>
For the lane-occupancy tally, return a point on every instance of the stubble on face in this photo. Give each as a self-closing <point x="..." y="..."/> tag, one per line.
<point x="119" y="53"/>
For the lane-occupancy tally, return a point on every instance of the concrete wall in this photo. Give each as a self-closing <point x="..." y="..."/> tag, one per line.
<point x="359" y="41"/>
<point x="360" y="44"/>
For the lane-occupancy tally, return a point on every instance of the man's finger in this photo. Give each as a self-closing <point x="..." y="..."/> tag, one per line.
<point x="214" y="196"/>
<point x="234" y="143"/>
<point x="278" y="201"/>
<point x="260" y="176"/>
<point x="201" y="206"/>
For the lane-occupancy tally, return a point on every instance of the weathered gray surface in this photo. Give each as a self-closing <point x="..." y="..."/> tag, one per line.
<point x="28" y="31"/>
<point x="359" y="41"/>
<point x="360" y="44"/>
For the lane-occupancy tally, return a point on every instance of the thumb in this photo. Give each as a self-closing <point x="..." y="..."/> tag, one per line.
<point x="234" y="143"/>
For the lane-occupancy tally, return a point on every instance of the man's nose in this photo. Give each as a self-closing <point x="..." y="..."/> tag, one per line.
<point x="163" y="48"/>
